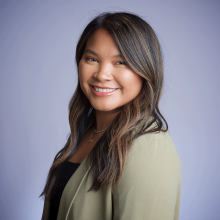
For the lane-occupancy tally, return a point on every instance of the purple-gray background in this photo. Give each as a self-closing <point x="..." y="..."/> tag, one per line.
<point x="38" y="77"/>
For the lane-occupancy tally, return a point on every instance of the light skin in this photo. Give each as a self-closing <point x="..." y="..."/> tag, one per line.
<point x="107" y="69"/>
<point x="102" y="65"/>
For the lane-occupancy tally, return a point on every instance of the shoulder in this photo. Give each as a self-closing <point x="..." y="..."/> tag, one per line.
<point x="154" y="143"/>
<point x="151" y="179"/>
<point x="153" y="154"/>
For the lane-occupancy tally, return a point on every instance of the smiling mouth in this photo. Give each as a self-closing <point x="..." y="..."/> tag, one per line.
<point x="103" y="90"/>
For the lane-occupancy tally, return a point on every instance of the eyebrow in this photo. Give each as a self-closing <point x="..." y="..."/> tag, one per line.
<point x="94" y="53"/>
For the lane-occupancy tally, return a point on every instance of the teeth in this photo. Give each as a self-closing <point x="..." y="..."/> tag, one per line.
<point x="103" y="90"/>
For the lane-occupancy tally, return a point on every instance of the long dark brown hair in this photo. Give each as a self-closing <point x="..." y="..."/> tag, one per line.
<point x="141" y="51"/>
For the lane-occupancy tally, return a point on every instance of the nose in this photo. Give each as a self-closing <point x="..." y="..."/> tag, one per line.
<point x="104" y="72"/>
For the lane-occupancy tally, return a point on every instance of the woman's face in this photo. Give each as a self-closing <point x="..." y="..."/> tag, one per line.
<point x="105" y="79"/>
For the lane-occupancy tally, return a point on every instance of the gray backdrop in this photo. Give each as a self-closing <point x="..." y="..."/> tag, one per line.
<point x="38" y="77"/>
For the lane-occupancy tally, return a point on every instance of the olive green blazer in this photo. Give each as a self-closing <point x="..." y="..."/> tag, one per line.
<point x="149" y="187"/>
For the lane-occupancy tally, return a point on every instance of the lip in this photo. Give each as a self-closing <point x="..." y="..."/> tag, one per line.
<point x="102" y="94"/>
<point x="103" y="87"/>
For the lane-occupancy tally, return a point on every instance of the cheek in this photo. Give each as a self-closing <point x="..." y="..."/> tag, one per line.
<point x="131" y="82"/>
<point x="82" y="73"/>
<point x="138" y="81"/>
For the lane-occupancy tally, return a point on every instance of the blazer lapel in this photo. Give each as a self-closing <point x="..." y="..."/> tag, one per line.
<point x="72" y="187"/>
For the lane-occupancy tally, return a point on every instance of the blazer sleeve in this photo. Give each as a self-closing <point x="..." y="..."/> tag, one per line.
<point x="149" y="187"/>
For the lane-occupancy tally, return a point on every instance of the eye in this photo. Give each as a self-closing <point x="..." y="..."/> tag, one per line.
<point x="91" y="59"/>
<point x="121" y="63"/>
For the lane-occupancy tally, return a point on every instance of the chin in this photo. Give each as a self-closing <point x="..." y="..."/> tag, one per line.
<point x="103" y="108"/>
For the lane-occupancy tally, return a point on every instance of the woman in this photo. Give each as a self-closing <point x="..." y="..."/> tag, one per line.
<point x="119" y="161"/>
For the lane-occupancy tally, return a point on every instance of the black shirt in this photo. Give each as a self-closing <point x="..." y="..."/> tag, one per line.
<point x="64" y="174"/>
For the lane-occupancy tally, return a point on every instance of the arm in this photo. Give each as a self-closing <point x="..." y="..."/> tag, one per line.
<point x="149" y="187"/>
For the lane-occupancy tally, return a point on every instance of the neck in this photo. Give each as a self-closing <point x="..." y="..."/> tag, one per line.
<point x="104" y="119"/>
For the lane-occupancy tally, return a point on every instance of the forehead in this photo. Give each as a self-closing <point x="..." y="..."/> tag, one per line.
<point x="102" y="42"/>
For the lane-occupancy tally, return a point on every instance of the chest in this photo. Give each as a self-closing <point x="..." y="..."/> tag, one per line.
<point x="87" y="144"/>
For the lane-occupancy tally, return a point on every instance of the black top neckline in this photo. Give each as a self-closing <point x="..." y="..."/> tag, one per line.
<point x="72" y="162"/>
